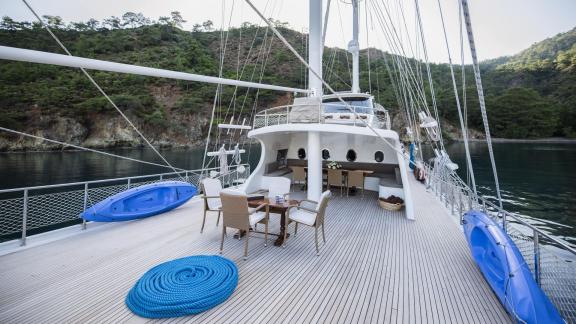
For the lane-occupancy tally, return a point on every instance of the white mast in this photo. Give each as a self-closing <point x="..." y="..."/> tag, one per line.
<point x="315" y="46"/>
<point x="354" y="48"/>
<point x="315" y="61"/>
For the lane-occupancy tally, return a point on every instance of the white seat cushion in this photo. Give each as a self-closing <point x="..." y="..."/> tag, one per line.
<point x="212" y="188"/>
<point x="303" y="216"/>
<point x="216" y="206"/>
<point x="256" y="217"/>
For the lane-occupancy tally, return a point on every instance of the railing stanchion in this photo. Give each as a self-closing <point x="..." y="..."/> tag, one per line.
<point x="453" y="200"/>
<point x="161" y="177"/>
<point x="129" y="183"/>
<point x="460" y="206"/>
<point x="85" y="204"/>
<point x="536" y="257"/>
<point x="504" y="221"/>
<point x="24" y="217"/>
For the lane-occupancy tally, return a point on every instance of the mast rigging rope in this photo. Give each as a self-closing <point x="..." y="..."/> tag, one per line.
<point x="464" y="135"/>
<point x="8" y="130"/>
<point x="101" y="90"/>
<point x="481" y="99"/>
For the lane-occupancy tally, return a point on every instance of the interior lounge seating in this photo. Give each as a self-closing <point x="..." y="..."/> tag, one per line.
<point x="355" y="179"/>
<point x="298" y="175"/>
<point x="335" y="179"/>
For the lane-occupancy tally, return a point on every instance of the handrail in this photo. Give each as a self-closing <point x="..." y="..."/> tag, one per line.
<point x="484" y="201"/>
<point x="34" y="211"/>
<point x="195" y="171"/>
<point x="280" y="115"/>
<point x="262" y="112"/>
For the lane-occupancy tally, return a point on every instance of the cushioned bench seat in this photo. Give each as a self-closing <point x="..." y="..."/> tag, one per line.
<point x="389" y="180"/>
<point x="279" y="172"/>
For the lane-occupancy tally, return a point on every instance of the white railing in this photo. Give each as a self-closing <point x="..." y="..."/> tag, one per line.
<point x="551" y="260"/>
<point x="281" y="115"/>
<point x="33" y="210"/>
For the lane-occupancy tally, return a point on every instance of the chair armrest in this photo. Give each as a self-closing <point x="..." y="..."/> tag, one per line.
<point x="259" y="207"/>
<point x="307" y="200"/>
<point x="304" y="208"/>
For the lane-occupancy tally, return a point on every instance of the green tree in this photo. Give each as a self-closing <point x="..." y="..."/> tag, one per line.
<point x="522" y="113"/>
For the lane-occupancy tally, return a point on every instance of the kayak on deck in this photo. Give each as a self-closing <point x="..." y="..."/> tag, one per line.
<point x="140" y="202"/>
<point x="506" y="271"/>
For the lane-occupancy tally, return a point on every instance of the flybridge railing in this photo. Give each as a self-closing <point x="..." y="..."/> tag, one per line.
<point x="296" y="114"/>
<point x="551" y="260"/>
<point x="33" y="210"/>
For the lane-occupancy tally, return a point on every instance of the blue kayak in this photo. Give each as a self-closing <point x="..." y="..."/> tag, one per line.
<point x="506" y="271"/>
<point x="141" y="202"/>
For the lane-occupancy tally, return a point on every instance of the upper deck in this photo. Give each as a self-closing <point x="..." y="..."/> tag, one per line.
<point x="359" y="110"/>
<point x="376" y="266"/>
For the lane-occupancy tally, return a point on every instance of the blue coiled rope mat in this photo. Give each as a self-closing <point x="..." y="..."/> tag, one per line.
<point x="184" y="286"/>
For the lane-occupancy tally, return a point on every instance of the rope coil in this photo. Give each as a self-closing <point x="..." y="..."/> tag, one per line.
<point x="185" y="286"/>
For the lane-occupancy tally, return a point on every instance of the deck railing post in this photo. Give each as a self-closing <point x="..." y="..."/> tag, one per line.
<point x="129" y="182"/>
<point x="161" y="177"/>
<point x="453" y="198"/>
<point x="460" y="207"/>
<point x="536" y="257"/>
<point x="484" y="204"/>
<point x="186" y="175"/>
<point x="85" y="204"/>
<point x="24" y="217"/>
<point x="504" y="221"/>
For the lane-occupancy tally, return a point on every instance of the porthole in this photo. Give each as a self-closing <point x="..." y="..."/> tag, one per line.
<point x="301" y="153"/>
<point x="325" y="154"/>
<point x="379" y="156"/>
<point x="351" y="156"/>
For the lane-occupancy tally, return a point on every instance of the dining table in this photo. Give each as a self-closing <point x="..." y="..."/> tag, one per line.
<point x="275" y="207"/>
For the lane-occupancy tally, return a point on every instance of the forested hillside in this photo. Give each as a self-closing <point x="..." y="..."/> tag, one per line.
<point x="529" y="95"/>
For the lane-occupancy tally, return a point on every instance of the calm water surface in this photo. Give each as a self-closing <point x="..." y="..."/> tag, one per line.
<point x="536" y="179"/>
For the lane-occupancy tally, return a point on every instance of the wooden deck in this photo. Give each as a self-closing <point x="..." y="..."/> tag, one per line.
<point x="376" y="266"/>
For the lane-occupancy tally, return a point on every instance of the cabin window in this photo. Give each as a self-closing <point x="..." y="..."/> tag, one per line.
<point x="379" y="156"/>
<point x="301" y="153"/>
<point x="325" y="154"/>
<point x="351" y="156"/>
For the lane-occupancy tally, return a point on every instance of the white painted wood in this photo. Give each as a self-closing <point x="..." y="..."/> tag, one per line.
<point x="228" y="152"/>
<point x="230" y="126"/>
<point x="314" y="160"/>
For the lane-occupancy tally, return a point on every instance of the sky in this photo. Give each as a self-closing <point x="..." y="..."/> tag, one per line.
<point x="501" y="27"/>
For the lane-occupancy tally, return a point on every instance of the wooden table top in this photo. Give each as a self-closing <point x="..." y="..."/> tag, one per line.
<point x="344" y="170"/>
<point x="272" y="202"/>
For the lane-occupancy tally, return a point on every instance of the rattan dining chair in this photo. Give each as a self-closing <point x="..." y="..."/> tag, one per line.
<point x="298" y="175"/>
<point x="211" y="189"/>
<point x="335" y="178"/>
<point x="278" y="186"/>
<point x="236" y="214"/>
<point x="355" y="179"/>
<point x="309" y="215"/>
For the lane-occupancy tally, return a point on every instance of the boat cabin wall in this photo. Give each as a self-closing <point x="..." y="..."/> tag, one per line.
<point x="352" y="151"/>
<point x="345" y="148"/>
